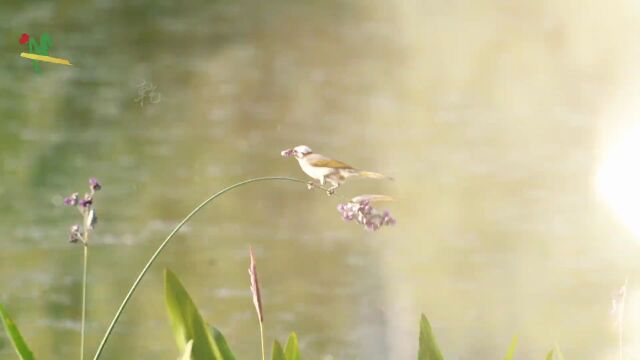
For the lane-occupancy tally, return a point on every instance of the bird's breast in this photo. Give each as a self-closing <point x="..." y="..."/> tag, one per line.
<point x="314" y="171"/>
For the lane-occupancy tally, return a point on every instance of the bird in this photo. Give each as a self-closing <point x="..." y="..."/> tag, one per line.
<point x="324" y="169"/>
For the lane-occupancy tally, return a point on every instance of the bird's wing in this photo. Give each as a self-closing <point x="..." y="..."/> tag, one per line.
<point x="329" y="163"/>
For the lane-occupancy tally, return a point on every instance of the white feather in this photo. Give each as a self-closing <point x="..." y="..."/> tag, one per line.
<point x="315" y="172"/>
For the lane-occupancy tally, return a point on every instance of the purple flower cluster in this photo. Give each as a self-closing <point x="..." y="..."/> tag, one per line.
<point x="363" y="213"/>
<point x="85" y="206"/>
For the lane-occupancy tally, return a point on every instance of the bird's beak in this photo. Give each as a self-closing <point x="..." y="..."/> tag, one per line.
<point x="287" y="153"/>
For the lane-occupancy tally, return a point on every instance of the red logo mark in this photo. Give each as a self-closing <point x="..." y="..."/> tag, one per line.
<point x="24" y="38"/>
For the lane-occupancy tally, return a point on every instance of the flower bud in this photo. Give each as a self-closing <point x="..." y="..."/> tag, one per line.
<point x="71" y="200"/>
<point x="94" y="184"/>
<point x="87" y="201"/>
<point x="74" y="234"/>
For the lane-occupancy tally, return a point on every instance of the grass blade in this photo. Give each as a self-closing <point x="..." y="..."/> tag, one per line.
<point x="512" y="349"/>
<point x="550" y="355"/>
<point x="555" y="353"/>
<point x="292" y="350"/>
<point x="428" y="349"/>
<point x="187" y="323"/>
<point x="221" y="343"/>
<point x="187" y="351"/>
<point x="276" y="352"/>
<point x="14" y="334"/>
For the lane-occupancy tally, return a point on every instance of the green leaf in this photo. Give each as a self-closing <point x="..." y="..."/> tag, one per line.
<point x="186" y="355"/>
<point x="550" y="355"/>
<point x="512" y="349"/>
<point x="292" y="351"/>
<point x="221" y="344"/>
<point x="557" y="352"/>
<point x="187" y="323"/>
<point x="276" y="352"/>
<point x="14" y="334"/>
<point x="428" y="348"/>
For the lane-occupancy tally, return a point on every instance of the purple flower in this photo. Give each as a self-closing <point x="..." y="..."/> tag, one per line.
<point x="372" y="226"/>
<point x="361" y="210"/>
<point x="94" y="184"/>
<point x="71" y="200"/>
<point x="87" y="201"/>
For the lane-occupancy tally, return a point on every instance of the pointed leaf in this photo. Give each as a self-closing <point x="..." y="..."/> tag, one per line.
<point x="292" y="351"/>
<point x="555" y="351"/>
<point x="276" y="352"/>
<point x="186" y="355"/>
<point x="14" y="334"/>
<point x="187" y="323"/>
<point x="550" y="355"/>
<point x="221" y="344"/>
<point x="428" y="349"/>
<point x="512" y="349"/>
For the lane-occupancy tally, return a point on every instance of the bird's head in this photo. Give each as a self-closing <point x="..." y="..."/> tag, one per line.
<point x="298" y="152"/>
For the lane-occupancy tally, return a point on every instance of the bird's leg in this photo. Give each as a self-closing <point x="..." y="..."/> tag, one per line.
<point x="312" y="184"/>
<point x="332" y="190"/>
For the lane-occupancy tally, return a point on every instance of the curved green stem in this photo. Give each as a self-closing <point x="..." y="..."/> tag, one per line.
<point x="166" y="241"/>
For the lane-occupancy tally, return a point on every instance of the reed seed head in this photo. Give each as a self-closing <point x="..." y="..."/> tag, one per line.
<point x="255" y="286"/>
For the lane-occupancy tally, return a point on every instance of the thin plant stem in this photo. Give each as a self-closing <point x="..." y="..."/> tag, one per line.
<point x="153" y="257"/>
<point x="620" y="345"/>
<point x="620" y="329"/>
<point x="262" y="339"/>
<point x="85" y="245"/>
<point x="623" y="300"/>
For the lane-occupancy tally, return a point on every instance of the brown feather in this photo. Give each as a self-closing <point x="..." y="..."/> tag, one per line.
<point x="330" y="163"/>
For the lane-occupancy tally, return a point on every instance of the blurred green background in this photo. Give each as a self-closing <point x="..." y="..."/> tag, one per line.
<point x="493" y="116"/>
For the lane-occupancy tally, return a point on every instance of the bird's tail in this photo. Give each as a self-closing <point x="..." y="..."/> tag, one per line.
<point x="373" y="175"/>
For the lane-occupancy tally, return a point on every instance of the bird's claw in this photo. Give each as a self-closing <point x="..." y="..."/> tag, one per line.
<point x="331" y="191"/>
<point x="310" y="185"/>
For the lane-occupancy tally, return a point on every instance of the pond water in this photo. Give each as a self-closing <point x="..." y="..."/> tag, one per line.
<point x="494" y="117"/>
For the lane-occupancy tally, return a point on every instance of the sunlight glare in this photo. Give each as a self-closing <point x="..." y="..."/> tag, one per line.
<point x="618" y="179"/>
